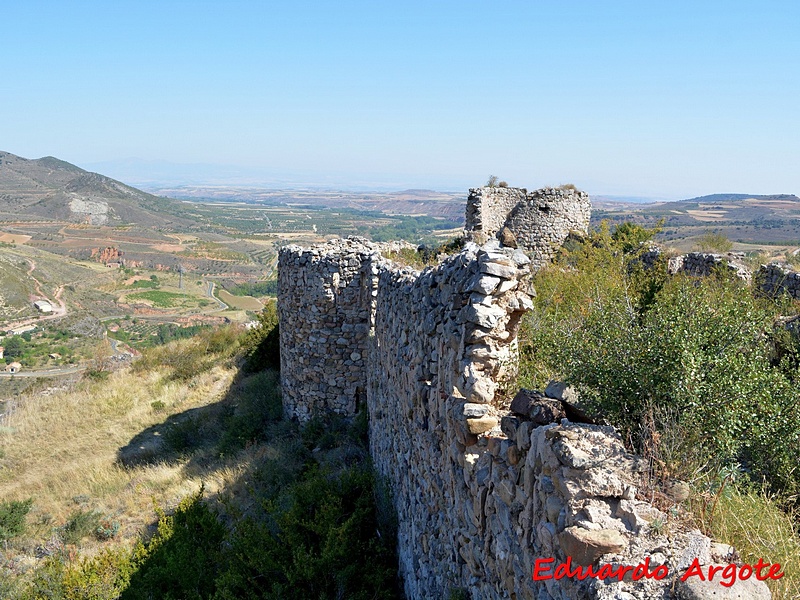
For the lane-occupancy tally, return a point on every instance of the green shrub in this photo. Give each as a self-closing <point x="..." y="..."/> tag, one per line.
<point x="12" y="518"/>
<point x="189" y="359"/>
<point x="714" y="242"/>
<point x="683" y="353"/>
<point x="313" y="545"/>
<point x="107" y="529"/>
<point x="262" y="343"/>
<point x="259" y="405"/>
<point x="81" y="524"/>
<point x="182" y="559"/>
<point x="629" y="237"/>
<point x="103" y="577"/>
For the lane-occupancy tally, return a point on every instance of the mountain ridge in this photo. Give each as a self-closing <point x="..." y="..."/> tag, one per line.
<point x="739" y="197"/>
<point x="54" y="189"/>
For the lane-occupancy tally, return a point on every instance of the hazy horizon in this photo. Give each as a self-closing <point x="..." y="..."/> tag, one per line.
<point x="668" y="101"/>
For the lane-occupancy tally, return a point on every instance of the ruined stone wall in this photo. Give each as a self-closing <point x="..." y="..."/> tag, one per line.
<point x="538" y="221"/>
<point x="480" y="491"/>
<point x="325" y="305"/>
<point x="775" y="278"/>
<point x="489" y="207"/>
<point x="442" y="338"/>
<point x="703" y="264"/>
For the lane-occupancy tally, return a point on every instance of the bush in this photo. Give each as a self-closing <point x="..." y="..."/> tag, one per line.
<point x="262" y="343"/>
<point x="107" y="529"/>
<point x="714" y="242"/>
<point x="192" y="358"/>
<point x="102" y="577"/>
<point x="12" y="518"/>
<point x="629" y="237"/>
<point x="682" y="353"/>
<point x="314" y="545"/>
<point x="80" y="524"/>
<point x="259" y="405"/>
<point x="181" y="560"/>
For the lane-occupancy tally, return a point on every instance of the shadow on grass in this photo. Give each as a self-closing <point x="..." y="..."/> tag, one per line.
<point x="246" y="415"/>
<point x="298" y="522"/>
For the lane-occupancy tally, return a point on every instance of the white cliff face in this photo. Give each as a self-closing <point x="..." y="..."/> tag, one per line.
<point x="480" y="493"/>
<point x="94" y="212"/>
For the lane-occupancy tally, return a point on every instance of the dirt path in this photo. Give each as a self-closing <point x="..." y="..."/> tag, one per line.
<point x="59" y="306"/>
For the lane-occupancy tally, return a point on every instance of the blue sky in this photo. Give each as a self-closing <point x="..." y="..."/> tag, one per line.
<point x="664" y="99"/>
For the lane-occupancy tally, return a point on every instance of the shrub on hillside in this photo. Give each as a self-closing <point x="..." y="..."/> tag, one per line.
<point x="183" y="557"/>
<point x="12" y="518"/>
<point x="714" y="242"/>
<point x="313" y="544"/>
<point x="262" y="343"/>
<point x="248" y="422"/>
<point x="185" y="360"/>
<point x="690" y="353"/>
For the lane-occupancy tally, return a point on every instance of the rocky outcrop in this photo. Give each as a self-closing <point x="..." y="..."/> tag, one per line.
<point x="107" y="254"/>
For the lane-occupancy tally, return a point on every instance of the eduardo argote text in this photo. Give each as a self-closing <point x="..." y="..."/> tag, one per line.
<point x="726" y="575"/>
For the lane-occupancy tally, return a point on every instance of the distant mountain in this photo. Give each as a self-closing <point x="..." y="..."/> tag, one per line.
<point x="740" y="197"/>
<point x="49" y="188"/>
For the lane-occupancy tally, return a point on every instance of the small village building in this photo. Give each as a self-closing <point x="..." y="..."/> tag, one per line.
<point x="43" y="306"/>
<point x="54" y="355"/>
<point x="21" y="330"/>
<point x="1" y="351"/>
<point x="13" y="367"/>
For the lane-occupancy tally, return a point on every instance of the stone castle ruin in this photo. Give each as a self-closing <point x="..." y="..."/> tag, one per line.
<point x="538" y="221"/>
<point x="480" y="491"/>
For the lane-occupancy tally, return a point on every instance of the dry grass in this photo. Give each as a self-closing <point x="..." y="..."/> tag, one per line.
<point x="754" y="524"/>
<point x="62" y="449"/>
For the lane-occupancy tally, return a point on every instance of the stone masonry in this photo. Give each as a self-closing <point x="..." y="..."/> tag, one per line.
<point x="480" y="492"/>
<point x="775" y="278"/>
<point x="326" y="300"/>
<point x="538" y="221"/>
<point x="703" y="264"/>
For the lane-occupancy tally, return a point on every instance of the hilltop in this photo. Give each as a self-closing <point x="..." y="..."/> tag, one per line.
<point x="752" y="222"/>
<point x="739" y="197"/>
<point x="50" y="188"/>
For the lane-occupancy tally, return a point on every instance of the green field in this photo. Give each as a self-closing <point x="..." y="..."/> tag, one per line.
<point x="243" y="302"/>
<point x="161" y="299"/>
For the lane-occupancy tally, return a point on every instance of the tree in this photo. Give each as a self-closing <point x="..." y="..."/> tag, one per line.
<point x="14" y="347"/>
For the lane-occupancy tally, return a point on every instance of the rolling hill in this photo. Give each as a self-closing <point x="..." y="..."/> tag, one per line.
<point x="740" y="197"/>
<point x="52" y="189"/>
<point x="750" y="221"/>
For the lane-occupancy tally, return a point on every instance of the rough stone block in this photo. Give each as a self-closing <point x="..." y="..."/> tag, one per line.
<point x="540" y="410"/>
<point x="585" y="546"/>
<point x="481" y="424"/>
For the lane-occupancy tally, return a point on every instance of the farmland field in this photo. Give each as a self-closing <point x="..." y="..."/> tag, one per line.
<point x="160" y="298"/>
<point x="243" y="302"/>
